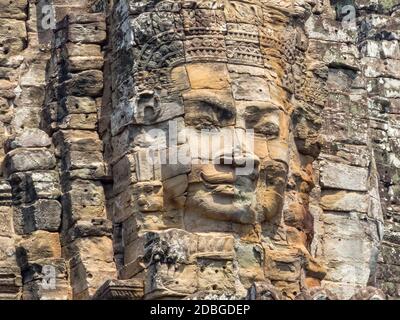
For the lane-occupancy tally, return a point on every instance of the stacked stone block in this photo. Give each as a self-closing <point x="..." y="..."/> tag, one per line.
<point x="10" y="274"/>
<point x="73" y="147"/>
<point x="357" y="189"/>
<point x="348" y="210"/>
<point x="13" y="17"/>
<point x="71" y="117"/>
<point x="155" y="230"/>
<point x="29" y="164"/>
<point x="380" y="52"/>
<point x="30" y="167"/>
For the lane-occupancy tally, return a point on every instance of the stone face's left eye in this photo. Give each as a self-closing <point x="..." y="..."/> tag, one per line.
<point x="206" y="108"/>
<point x="267" y="128"/>
<point x="264" y="121"/>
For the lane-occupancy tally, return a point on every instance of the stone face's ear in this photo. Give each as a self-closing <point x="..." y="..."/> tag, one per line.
<point x="147" y="108"/>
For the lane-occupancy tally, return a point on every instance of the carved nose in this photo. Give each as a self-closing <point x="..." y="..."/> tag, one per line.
<point x="246" y="163"/>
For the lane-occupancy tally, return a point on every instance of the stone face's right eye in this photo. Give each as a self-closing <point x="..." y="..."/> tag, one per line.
<point x="267" y="128"/>
<point x="209" y="108"/>
<point x="263" y="120"/>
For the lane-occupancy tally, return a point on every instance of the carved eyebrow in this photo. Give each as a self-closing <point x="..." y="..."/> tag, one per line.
<point x="225" y="107"/>
<point x="262" y="107"/>
<point x="210" y="98"/>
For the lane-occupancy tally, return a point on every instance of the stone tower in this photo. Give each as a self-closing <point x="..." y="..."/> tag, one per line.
<point x="199" y="149"/>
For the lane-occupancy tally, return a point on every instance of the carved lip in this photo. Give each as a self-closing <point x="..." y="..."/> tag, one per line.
<point x="225" y="180"/>
<point x="223" y="184"/>
<point x="218" y="177"/>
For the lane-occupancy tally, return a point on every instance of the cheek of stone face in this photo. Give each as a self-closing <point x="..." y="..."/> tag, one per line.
<point x="149" y="197"/>
<point x="270" y="194"/>
<point x="175" y="192"/>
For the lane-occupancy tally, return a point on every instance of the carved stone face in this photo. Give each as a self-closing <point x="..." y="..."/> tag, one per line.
<point x="243" y="176"/>
<point x="213" y="83"/>
<point x="226" y="79"/>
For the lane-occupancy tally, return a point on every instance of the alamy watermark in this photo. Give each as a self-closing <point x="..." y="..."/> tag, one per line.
<point x="227" y="146"/>
<point x="348" y="14"/>
<point x="49" y="279"/>
<point x="48" y="20"/>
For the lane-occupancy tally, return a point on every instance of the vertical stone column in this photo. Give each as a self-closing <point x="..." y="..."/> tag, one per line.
<point x="30" y="162"/>
<point x="380" y="60"/>
<point x="30" y="168"/>
<point x="12" y="17"/>
<point x="75" y="73"/>
<point x="350" y="222"/>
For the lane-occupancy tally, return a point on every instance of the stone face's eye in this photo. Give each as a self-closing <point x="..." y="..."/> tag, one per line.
<point x="208" y="108"/>
<point x="263" y="120"/>
<point x="267" y="128"/>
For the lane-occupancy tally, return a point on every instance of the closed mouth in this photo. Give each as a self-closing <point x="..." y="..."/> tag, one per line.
<point x="223" y="183"/>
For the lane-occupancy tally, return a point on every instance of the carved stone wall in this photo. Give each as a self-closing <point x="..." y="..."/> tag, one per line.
<point x="111" y="188"/>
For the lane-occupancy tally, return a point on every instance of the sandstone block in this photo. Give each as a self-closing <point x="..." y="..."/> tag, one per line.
<point x="159" y="282"/>
<point x="216" y="275"/>
<point x="120" y="290"/>
<point x="39" y="245"/>
<point x="344" y="201"/>
<point x="30" y="186"/>
<point x="84" y="201"/>
<point x="86" y="121"/>
<point x="208" y="76"/>
<point x="343" y="176"/>
<point x="29" y="159"/>
<point x="141" y="197"/>
<point x="77" y="140"/>
<point x="29" y="138"/>
<point x="79" y="105"/>
<point x="41" y="215"/>
<point x="124" y="173"/>
<point x="15" y="9"/>
<point x="81" y="159"/>
<point x="86" y="83"/>
<point x="90" y="33"/>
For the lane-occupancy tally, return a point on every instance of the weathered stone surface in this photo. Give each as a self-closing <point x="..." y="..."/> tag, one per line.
<point x="120" y="290"/>
<point x="200" y="150"/>
<point x="369" y="293"/>
<point x="30" y="138"/>
<point x="39" y="245"/>
<point x="30" y="186"/>
<point x="93" y="32"/>
<point x="29" y="159"/>
<point x="15" y="9"/>
<point x="83" y="201"/>
<point x="86" y="83"/>
<point x="344" y="201"/>
<point x="41" y="215"/>
<point x="344" y="177"/>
